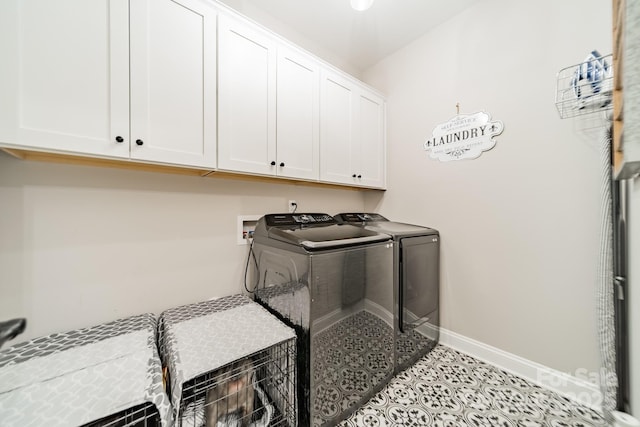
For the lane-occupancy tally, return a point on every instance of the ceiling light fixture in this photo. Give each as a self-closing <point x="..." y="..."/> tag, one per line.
<point x="361" y="5"/>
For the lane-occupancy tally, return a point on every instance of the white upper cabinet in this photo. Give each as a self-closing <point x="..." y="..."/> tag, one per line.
<point x="181" y="82"/>
<point x="297" y="114"/>
<point x="246" y="98"/>
<point x="173" y="82"/>
<point x="352" y="129"/>
<point x="268" y="104"/>
<point x="66" y="73"/>
<point x="337" y="129"/>
<point x="371" y="148"/>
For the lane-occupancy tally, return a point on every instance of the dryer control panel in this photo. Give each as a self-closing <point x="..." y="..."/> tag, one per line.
<point x="359" y="217"/>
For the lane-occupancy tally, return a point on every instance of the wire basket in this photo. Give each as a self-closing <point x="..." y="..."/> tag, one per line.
<point x="586" y="87"/>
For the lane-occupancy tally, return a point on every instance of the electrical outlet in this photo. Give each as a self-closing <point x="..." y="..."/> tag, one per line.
<point x="292" y="206"/>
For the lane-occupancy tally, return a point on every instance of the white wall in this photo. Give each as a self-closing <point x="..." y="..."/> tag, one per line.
<point x="83" y="245"/>
<point x="520" y="224"/>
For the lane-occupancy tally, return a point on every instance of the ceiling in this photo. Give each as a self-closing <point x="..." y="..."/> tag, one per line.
<point x="360" y="39"/>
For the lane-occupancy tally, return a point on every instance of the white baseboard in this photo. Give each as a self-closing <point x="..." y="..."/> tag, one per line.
<point x="579" y="390"/>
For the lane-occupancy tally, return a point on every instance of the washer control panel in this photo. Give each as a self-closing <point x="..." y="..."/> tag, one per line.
<point x="275" y="220"/>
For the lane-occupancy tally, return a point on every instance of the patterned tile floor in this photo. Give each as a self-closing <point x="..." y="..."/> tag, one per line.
<point x="351" y="357"/>
<point x="409" y="345"/>
<point x="448" y="388"/>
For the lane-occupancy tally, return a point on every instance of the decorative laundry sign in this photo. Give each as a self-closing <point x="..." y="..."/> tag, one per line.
<point x="465" y="136"/>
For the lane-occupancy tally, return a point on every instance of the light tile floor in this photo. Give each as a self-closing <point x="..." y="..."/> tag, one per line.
<point x="449" y="388"/>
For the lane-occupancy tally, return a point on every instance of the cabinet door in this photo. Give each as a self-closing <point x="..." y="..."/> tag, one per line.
<point x="173" y="82"/>
<point x="337" y="129"/>
<point x="246" y="98"/>
<point x="64" y="75"/>
<point x="297" y="115"/>
<point x="370" y="150"/>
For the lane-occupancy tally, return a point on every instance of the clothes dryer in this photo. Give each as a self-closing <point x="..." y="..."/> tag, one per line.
<point x="416" y="266"/>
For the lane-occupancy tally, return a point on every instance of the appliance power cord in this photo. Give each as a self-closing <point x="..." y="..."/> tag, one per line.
<point x="246" y="269"/>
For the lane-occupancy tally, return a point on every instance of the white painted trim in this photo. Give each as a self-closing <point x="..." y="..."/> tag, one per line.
<point x="579" y="390"/>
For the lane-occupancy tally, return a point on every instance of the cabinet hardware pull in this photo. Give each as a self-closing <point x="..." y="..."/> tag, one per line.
<point x="359" y="176"/>
<point x="119" y="139"/>
<point x="354" y="175"/>
<point x="139" y="142"/>
<point x="281" y="164"/>
<point x="273" y="163"/>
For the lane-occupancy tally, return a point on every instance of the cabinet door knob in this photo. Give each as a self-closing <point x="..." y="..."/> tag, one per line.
<point x="354" y="175"/>
<point x="273" y="163"/>
<point x="281" y="164"/>
<point x="359" y="176"/>
<point x="119" y="139"/>
<point x="139" y="142"/>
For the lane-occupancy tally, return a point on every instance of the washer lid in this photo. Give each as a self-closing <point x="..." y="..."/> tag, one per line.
<point x="315" y="231"/>
<point x="326" y="236"/>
